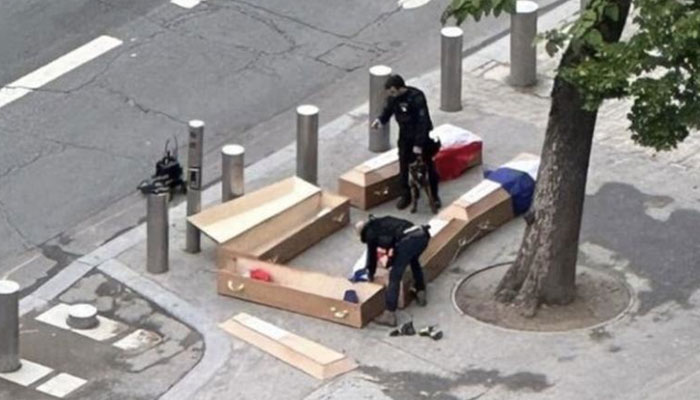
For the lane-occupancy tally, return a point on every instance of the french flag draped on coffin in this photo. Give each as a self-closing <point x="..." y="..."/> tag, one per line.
<point x="518" y="178"/>
<point x="460" y="150"/>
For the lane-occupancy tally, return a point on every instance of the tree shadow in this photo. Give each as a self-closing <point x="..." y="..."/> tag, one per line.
<point x="666" y="253"/>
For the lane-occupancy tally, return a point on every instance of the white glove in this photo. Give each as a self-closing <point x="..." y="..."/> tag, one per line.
<point x="376" y="124"/>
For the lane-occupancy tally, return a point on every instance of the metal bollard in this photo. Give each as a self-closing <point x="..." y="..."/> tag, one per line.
<point x="157" y="243"/>
<point x="523" y="53"/>
<point x="194" y="183"/>
<point x="451" y="69"/>
<point x="232" y="170"/>
<point x="307" y="143"/>
<point x="379" y="139"/>
<point x="9" y="326"/>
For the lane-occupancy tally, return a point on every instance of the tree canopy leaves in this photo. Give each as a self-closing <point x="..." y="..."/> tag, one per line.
<point x="656" y="66"/>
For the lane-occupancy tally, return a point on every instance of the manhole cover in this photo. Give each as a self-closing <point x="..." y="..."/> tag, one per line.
<point x="600" y="297"/>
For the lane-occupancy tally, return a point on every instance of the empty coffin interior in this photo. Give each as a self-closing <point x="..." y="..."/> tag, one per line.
<point x="293" y="230"/>
<point x="233" y="218"/>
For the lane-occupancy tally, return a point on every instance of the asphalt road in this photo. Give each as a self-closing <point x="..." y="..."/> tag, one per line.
<point x="72" y="149"/>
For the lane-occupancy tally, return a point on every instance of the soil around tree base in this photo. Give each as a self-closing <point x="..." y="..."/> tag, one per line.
<point x="600" y="296"/>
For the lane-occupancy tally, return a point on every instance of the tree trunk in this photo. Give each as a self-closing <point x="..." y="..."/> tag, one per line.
<point x="545" y="269"/>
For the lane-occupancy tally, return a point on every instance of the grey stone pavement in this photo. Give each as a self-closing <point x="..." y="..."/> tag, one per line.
<point x="640" y="221"/>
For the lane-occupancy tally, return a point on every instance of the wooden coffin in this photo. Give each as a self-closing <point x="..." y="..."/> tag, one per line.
<point x="275" y="223"/>
<point x="310" y="357"/>
<point x="301" y="291"/>
<point x="373" y="182"/>
<point x="481" y="210"/>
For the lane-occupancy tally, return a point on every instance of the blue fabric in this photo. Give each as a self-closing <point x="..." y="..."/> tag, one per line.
<point x="361" y="275"/>
<point x="518" y="184"/>
<point x="351" y="296"/>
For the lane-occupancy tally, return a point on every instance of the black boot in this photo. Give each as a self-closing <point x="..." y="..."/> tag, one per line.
<point x="403" y="202"/>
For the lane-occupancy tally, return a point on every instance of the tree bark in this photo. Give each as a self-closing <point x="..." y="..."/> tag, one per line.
<point x="545" y="268"/>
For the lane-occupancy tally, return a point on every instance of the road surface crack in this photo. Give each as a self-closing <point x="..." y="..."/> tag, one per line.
<point x="143" y="108"/>
<point x="26" y="243"/>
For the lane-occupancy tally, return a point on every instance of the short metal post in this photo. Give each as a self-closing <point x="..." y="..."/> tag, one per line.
<point x="451" y="69"/>
<point x="9" y="326"/>
<point x="523" y="52"/>
<point x="379" y="139"/>
<point x="157" y="243"/>
<point x="307" y="143"/>
<point x="194" y="183"/>
<point x="232" y="169"/>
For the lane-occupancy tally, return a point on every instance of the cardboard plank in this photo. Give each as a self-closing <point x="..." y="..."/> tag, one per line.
<point x="232" y="218"/>
<point x="304" y="354"/>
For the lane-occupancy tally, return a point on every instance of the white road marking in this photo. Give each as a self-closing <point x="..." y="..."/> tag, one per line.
<point x="56" y="68"/>
<point x="28" y="374"/>
<point x="61" y="385"/>
<point x="185" y="3"/>
<point x="107" y="329"/>
<point x="409" y="4"/>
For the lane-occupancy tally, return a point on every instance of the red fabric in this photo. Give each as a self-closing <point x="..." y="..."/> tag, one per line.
<point x="260" y="274"/>
<point x="451" y="162"/>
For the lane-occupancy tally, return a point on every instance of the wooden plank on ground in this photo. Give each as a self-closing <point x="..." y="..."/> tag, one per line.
<point x="310" y="357"/>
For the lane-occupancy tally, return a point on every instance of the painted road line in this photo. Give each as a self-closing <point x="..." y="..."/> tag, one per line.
<point x="28" y="374"/>
<point x="61" y="385"/>
<point x="56" y="68"/>
<point x="186" y="3"/>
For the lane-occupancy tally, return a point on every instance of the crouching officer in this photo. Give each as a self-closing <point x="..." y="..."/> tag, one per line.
<point x="408" y="242"/>
<point x="410" y="108"/>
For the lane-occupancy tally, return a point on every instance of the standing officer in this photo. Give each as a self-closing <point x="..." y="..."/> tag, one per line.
<point x="408" y="242"/>
<point x="409" y="106"/>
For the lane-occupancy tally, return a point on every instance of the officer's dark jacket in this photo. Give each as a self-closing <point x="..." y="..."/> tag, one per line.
<point x="382" y="232"/>
<point x="412" y="115"/>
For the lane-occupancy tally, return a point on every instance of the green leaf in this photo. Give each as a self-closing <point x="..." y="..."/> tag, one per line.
<point x="594" y="38"/>
<point x="613" y="12"/>
<point x="551" y="48"/>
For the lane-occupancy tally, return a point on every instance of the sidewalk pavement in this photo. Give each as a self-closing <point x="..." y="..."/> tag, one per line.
<point x="641" y="215"/>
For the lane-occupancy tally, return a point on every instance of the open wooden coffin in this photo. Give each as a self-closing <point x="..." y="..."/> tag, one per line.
<point x="277" y="222"/>
<point x="301" y="291"/>
<point x="373" y="182"/>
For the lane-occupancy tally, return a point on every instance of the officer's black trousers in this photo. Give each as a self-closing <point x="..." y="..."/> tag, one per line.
<point x="406" y="252"/>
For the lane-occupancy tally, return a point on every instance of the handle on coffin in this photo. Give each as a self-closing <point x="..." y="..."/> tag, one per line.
<point x="340" y="218"/>
<point x="273" y="259"/>
<point x="239" y="288"/>
<point x="382" y="192"/>
<point x="339" y="314"/>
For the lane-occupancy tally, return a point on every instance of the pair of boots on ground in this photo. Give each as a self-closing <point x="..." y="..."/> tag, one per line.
<point x="388" y="318"/>
<point x="405" y="201"/>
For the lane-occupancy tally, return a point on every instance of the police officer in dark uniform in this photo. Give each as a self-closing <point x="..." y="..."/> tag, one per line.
<point x="408" y="242"/>
<point x="410" y="107"/>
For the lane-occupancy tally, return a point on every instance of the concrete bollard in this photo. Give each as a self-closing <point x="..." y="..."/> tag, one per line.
<point x="82" y="316"/>
<point x="451" y="69"/>
<point x="232" y="172"/>
<point x="9" y="326"/>
<point x="194" y="183"/>
<point x="523" y="53"/>
<point x="307" y="143"/>
<point x="379" y="139"/>
<point x="157" y="240"/>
